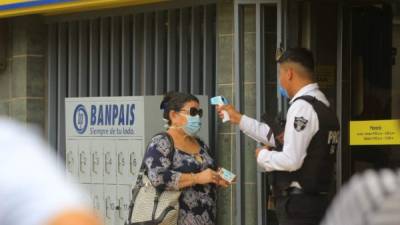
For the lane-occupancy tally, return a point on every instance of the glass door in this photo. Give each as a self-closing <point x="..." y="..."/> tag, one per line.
<point x="370" y="86"/>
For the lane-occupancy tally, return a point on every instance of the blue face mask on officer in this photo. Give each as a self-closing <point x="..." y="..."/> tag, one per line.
<point x="283" y="92"/>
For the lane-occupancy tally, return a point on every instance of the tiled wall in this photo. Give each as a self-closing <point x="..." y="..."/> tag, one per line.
<point x="225" y="87"/>
<point x="226" y="151"/>
<point x="22" y="84"/>
<point x="249" y="57"/>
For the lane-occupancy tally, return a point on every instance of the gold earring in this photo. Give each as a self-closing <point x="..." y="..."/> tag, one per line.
<point x="198" y="158"/>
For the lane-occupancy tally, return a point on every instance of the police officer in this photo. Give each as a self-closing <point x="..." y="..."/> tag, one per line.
<point x="305" y="164"/>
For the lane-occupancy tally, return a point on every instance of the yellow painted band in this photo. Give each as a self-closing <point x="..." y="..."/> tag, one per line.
<point x="75" y="7"/>
<point x="7" y="2"/>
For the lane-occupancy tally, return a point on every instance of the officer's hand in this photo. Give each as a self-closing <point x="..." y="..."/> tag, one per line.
<point x="234" y="115"/>
<point x="258" y="150"/>
<point x="280" y="136"/>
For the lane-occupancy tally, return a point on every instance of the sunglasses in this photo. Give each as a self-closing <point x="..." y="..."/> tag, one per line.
<point x="194" y="111"/>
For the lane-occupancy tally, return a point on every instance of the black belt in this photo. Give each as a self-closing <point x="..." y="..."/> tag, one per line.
<point x="299" y="191"/>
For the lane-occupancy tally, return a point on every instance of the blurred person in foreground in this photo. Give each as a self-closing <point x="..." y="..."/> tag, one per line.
<point x="33" y="189"/>
<point x="369" y="198"/>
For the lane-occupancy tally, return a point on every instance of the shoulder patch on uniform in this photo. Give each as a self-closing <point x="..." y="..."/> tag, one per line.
<point x="300" y="123"/>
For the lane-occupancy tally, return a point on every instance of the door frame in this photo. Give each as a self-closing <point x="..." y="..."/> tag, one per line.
<point x="262" y="185"/>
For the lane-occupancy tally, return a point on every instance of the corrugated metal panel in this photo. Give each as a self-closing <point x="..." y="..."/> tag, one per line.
<point x="94" y="59"/>
<point x="83" y="56"/>
<point x="208" y="50"/>
<point x="172" y="50"/>
<point x="196" y="60"/>
<point x="104" y="72"/>
<point x="184" y="50"/>
<point x="137" y="55"/>
<point x="148" y="54"/>
<point x="145" y="53"/>
<point x="160" y="52"/>
<point x="126" y="55"/>
<point x="73" y="59"/>
<point x="115" y="61"/>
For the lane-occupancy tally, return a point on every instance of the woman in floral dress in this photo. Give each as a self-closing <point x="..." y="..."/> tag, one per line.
<point x="188" y="167"/>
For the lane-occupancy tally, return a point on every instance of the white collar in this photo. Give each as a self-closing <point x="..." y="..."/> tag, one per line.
<point x="304" y="90"/>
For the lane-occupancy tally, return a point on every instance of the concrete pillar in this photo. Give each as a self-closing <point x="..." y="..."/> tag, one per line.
<point x="250" y="168"/>
<point x="22" y="83"/>
<point x="225" y="86"/>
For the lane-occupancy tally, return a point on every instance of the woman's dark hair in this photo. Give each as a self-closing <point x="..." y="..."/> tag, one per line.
<point x="175" y="101"/>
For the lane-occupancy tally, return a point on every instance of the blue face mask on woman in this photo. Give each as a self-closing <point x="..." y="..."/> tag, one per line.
<point x="192" y="125"/>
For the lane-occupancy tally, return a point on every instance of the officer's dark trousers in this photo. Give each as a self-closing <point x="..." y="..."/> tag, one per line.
<point x="301" y="209"/>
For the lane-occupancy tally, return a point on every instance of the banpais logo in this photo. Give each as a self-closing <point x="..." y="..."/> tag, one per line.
<point x="80" y="119"/>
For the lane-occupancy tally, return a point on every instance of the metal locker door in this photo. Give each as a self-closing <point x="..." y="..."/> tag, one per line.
<point x="135" y="160"/>
<point x="123" y="198"/>
<point x="71" y="160"/>
<point x="97" y="162"/>
<point x="123" y="161"/>
<point x="109" y="163"/>
<point x="98" y="199"/>
<point x="110" y="204"/>
<point x="84" y="161"/>
<point x="122" y="165"/>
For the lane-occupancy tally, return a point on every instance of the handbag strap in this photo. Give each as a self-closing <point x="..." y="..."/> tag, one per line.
<point x="139" y="181"/>
<point x="143" y="165"/>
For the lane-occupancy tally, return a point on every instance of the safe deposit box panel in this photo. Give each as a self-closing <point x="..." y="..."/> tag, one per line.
<point x="106" y="138"/>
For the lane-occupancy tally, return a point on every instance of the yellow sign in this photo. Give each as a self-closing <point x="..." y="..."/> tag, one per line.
<point x="375" y="132"/>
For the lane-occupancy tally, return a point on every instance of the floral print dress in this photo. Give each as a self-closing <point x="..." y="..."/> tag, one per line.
<point x="164" y="169"/>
